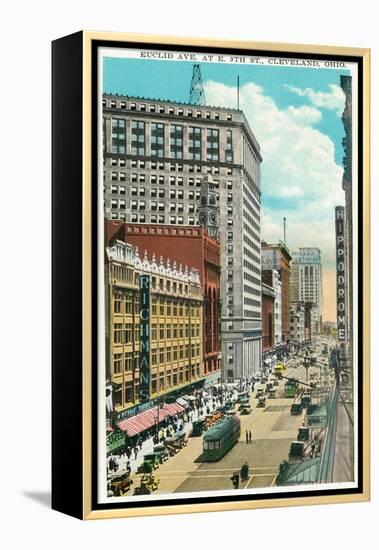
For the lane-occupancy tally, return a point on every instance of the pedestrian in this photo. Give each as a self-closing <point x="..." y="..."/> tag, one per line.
<point x="250" y="437"/>
<point x="236" y="480"/>
<point x="245" y="471"/>
<point x="135" y="453"/>
<point x="247" y="436"/>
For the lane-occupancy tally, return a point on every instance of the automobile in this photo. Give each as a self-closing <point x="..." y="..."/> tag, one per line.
<point x="162" y="452"/>
<point x="272" y="394"/>
<point x="305" y="400"/>
<point x="150" y="462"/>
<point x="279" y="369"/>
<point x="246" y="409"/>
<point x="261" y="390"/>
<point x="296" y="409"/>
<point x="176" y="442"/>
<point x="213" y="417"/>
<point x="296" y="451"/>
<point x="148" y="484"/>
<point x="198" y="427"/>
<point x="118" y="484"/>
<point x="261" y="401"/>
<point x="303" y="433"/>
<point x="242" y="396"/>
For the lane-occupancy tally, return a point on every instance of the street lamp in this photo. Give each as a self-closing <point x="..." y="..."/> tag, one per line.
<point x="160" y="405"/>
<point x="306" y="364"/>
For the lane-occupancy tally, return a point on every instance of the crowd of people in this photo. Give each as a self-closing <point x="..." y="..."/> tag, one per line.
<point x="201" y="404"/>
<point x="131" y="457"/>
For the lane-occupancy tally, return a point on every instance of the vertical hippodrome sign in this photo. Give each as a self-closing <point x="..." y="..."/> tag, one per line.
<point x="340" y="264"/>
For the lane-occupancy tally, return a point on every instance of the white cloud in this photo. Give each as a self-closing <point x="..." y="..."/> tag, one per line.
<point x="333" y="100"/>
<point x="304" y="115"/>
<point x="298" y="167"/>
<point x="291" y="191"/>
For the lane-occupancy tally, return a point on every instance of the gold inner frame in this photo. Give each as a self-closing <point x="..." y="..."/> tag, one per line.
<point x="88" y="513"/>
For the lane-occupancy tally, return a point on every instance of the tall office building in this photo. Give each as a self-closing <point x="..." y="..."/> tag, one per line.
<point x="277" y="257"/>
<point x="157" y="157"/>
<point x="306" y="279"/>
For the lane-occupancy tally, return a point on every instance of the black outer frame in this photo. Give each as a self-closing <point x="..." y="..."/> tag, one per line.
<point x="67" y="164"/>
<point x="67" y="276"/>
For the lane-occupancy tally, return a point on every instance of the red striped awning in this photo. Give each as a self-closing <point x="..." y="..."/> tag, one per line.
<point x="146" y="419"/>
<point x="173" y="408"/>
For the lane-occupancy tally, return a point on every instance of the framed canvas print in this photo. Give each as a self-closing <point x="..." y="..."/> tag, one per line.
<point x="210" y="275"/>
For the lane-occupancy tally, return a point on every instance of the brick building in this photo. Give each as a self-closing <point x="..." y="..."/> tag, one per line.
<point x="187" y="246"/>
<point x="174" y="333"/>
<point x="268" y="317"/>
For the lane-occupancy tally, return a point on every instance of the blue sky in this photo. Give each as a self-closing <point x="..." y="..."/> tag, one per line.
<point x="171" y="80"/>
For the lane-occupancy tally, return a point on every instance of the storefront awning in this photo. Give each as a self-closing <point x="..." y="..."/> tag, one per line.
<point x="182" y="402"/>
<point x="189" y="397"/>
<point x="146" y="419"/>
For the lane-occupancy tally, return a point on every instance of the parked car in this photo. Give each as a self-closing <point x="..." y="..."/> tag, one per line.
<point x="296" y="451"/>
<point x="296" y="409"/>
<point x="245" y="409"/>
<point x="118" y="484"/>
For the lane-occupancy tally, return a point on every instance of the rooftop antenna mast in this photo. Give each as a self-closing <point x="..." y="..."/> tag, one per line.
<point x="197" y="94"/>
<point x="284" y="230"/>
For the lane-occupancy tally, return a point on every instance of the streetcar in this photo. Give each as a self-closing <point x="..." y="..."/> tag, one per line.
<point x="279" y="369"/>
<point x="221" y="438"/>
<point x="290" y="388"/>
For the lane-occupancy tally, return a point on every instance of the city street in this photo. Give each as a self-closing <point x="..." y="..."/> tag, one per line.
<point x="273" y="428"/>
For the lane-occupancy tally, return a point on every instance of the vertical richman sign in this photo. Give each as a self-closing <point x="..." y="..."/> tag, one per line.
<point x="340" y="264"/>
<point x="144" y="355"/>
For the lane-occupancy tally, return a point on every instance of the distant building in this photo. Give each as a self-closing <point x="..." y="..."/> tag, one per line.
<point x="297" y="323"/>
<point x="311" y="320"/>
<point x="271" y="277"/>
<point x="268" y="317"/>
<point x="278" y="257"/>
<point x="306" y="279"/>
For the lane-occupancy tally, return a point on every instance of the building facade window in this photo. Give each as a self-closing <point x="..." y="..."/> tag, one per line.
<point x="212" y="144"/>
<point x="157" y="139"/>
<point x="138" y="137"/>
<point x="194" y="143"/>
<point x="118" y="136"/>
<point x="176" y="141"/>
<point x="229" y="146"/>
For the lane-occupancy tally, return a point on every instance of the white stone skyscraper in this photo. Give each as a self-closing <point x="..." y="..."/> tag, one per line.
<point x="306" y="278"/>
